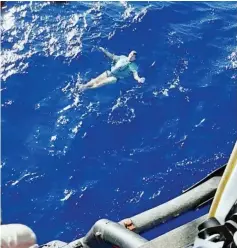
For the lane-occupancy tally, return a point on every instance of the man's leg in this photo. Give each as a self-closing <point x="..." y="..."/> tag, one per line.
<point x="104" y="81"/>
<point x="94" y="81"/>
<point x="101" y="80"/>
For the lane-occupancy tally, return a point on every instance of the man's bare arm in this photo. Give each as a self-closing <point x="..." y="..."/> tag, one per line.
<point x="108" y="54"/>
<point x="137" y="78"/>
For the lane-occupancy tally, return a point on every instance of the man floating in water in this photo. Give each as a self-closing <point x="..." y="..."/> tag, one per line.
<point x="123" y="66"/>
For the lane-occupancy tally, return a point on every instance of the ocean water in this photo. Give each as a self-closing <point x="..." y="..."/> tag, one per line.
<point x="71" y="158"/>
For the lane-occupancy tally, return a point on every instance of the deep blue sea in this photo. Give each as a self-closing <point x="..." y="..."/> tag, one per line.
<point x="71" y="158"/>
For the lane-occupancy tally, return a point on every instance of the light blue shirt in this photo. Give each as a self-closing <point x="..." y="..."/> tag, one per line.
<point x="123" y="67"/>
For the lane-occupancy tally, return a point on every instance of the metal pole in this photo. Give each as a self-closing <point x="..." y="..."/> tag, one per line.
<point x="113" y="233"/>
<point x="106" y="232"/>
<point x="189" y="200"/>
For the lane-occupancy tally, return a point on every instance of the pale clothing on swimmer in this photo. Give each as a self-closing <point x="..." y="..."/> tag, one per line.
<point x="123" y="66"/>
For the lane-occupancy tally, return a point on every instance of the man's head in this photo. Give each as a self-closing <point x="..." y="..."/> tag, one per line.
<point x="132" y="56"/>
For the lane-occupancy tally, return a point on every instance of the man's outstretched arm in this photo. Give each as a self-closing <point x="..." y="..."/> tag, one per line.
<point x="137" y="78"/>
<point x="108" y="54"/>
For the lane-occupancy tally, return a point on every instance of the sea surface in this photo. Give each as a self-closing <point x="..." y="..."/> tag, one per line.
<point x="70" y="158"/>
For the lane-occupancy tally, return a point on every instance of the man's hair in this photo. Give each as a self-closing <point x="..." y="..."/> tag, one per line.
<point x="133" y="52"/>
